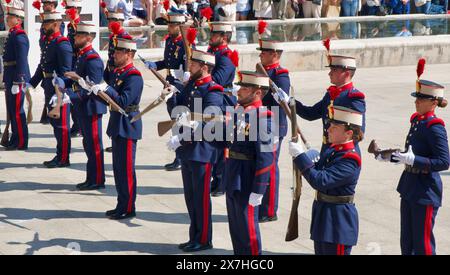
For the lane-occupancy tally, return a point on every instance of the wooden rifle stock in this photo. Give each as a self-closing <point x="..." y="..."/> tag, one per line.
<point x="166" y="126"/>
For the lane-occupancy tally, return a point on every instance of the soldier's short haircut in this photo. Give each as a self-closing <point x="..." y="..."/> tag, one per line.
<point x="358" y="134"/>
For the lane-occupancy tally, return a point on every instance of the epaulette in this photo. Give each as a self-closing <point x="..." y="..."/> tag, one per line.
<point x="19" y="32"/>
<point x="134" y="72"/>
<point x="92" y="56"/>
<point x="266" y="113"/>
<point x="281" y="71"/>
<point x="413" y="117"/>
<point x="62" y="39"/>
<point x="354" y="156"/>
<point x="435" y="121"/>
<point x="215" y="87"/>
<point x="357" y="94"/>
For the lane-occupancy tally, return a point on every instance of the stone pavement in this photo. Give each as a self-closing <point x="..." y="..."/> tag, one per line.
<point x="41" y="213"/>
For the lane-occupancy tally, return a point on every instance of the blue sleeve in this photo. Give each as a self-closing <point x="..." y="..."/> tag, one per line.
<point x="21" y="52"/>
<point x="339" y="174"/>
<point x="64" y="56"/>
<point x="160" y="65"/>
<point x="265" y="159"/>
<point x="94" y="69"/>
<point x="223" y="70"/>
<point x="283" y="81"/>
<point x="37" y="77"/>
<point x="439" y="160"/>
<point x="132" y="89"/>
<point x="309" y="112"/>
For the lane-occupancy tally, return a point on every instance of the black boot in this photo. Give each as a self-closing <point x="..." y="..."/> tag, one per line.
<point x="175" y="165"/>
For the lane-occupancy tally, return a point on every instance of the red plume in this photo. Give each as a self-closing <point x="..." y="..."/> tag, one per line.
<point x="326" y="44"/>
<point x="8" y="1"/>
<point x="72" y="13"/>
<point x="420" y="67"/>
<point x="239" y="73"/>
<point x="166" y="4"/>
<point x="103" y="5"/>
<point x="262" y="25"/>
<point x="191" y="35"/>
<point x="63" y="4"/>
<point x="207" y="13"/>
<point x="37" y="4"/>
<point x="115" y="27"/>
<point x="235" y="58"/>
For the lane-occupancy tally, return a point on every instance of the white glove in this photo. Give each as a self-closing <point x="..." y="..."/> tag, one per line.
<point x="28" y="86"/>
<point x="54" y="100"/>
<point x="168" y="92"/>
<point x="241" y="127"/>
<point x="15" y="89"/>
<point x="295" y="149"/>
<point x="173" y="143"/>
<point x="235" y="89"/>
<point x="255" y="199"/>
<point x="280" y="95"/>
<point x="178" y="73"/>
<point x="381" y="159"/>
<point x="98" y="87"/>
<point x="405" y="158"/>
<point x="83" y="84"/>
<point x="183" y="120"/>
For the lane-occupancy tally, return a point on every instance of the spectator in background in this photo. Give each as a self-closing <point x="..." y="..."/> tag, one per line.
<point x="422" y="6"/>
<point x="312" y="8"/>
<point x="349" y="7"/>
<point x="243" y="8"/>
<point x="331" y="8"/>
<point x="262" y="9"/>
<point x="225" y="10"/>
<point x="279" y="9"/>
<point x="372" y="7"/>
<point x="142" y="9"/>
<point x="399" y="6"/>
<point x="126" y="7"/>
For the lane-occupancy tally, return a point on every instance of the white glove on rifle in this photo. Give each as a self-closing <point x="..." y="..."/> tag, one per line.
<point x="178" y="73"/>
<point x="98" y="88"/>
<point x="405" y="158"/>
<point x="295" y="149"/>
<point x="54" y="100"/>
<point x="280" y="95"/>
<point x="173" y="143"/>
<point x="255" y="199"/>
<point x="168" y="92"/>
<point x="186" y="77"/>
<point x="83" y="83"/>
<point x="15" y="89"/>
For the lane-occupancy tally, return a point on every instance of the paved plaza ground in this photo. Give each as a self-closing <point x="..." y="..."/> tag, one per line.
<point x="42" y="213"/>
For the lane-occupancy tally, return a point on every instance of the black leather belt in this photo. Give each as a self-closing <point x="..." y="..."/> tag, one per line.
<point x="9" y="63"/>
<point x="240" y="156"/>
<point x="334" y="199"/>
<point x="132" y="108"/>
<point x="47" y="75"/>
<point x="410" y="169"/>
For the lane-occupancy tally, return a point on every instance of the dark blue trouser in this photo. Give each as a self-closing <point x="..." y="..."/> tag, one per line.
<point x="19" y="136"/>
<point x="124" y="155"/>
<point x="323" y="248"/>
<point x="61" y="131"/>
<point x="196" y="183"/>
<point x="269" y="205"/>
<point x="216" y="184"/>
<point x="243" y="224"/>
<point x="416" y="232"/>
<point x="91" y="128"/>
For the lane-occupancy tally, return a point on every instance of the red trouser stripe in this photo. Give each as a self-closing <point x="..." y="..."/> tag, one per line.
<point x="427" y="230"/>
<point x="206" y="198"/>
<point x="98" y="159"/>
<point x="65" y="135"/>
<point x="18" y="118"/>
<point x="252" y="230"/>
<point x="273" y="174"/>
<point x="130" y="173"/>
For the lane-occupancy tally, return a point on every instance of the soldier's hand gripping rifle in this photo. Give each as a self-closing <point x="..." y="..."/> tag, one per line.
<point x="292" y="230"/>
<point x="166" y="126"/>
<point x="286" y="108"/>
<point x="55" y="113"/>
<point x="29" y="100"/>
<point x="111" y="103"/>
<point x="384" y="154"/>
<point x="160" y="98"/>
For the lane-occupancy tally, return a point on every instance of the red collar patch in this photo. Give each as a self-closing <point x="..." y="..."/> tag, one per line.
<point x="273" y="66"/>
<point x="54" y="36"/>
<point x="343" y="147"/>
<point x="85" y="50"/>
<point x="203" y="80"/>
<point x="121" y="70"/>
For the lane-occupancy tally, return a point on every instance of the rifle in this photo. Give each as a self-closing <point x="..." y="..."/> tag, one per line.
<point x="158" y="100"/>
<point x="55" y="113"/>
<point x="166" y="126"/>
<point x="5" y="137"/>
<point x="111" y="103"/>
<point x="385" y="154"/>
<point x="30" y="106"/>
<point x="292" y="230"/>
<point x="286" y="108"/>
<point x="186" y="44"/>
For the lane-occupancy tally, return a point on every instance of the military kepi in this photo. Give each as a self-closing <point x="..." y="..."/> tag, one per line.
<point x="249" y="78"/>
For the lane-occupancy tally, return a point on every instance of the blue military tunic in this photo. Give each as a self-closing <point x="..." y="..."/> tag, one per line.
<point x="323" y="108"/>
<point x="174" y="56"/>
<point x="428" y="139"/>
<point x="336" y="174"/>
<point x="71" y="32"/>
<point x="17" y="72"/>
<point x="248" y="170"/>
<point x="108" y="75"/>
<point x="224" y="69"/>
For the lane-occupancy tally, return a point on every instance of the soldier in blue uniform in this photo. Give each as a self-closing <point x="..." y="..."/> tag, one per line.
<point x="420" y="184"/>
<point x="73" y="9"/>
<point x="126" y="91"/>
<point x="247" y="169"/>
<point x="56" y="57"/>
<point x="342" y="70"/>
<point x="174" y="62"/>
<point x="15" y="77"/>
<point x="270" y="56"/>
<point x="223" y="73"/>
<point x="334" y="222"/>
<point x="196" y="153"/>
<point x="90" y="109"/>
